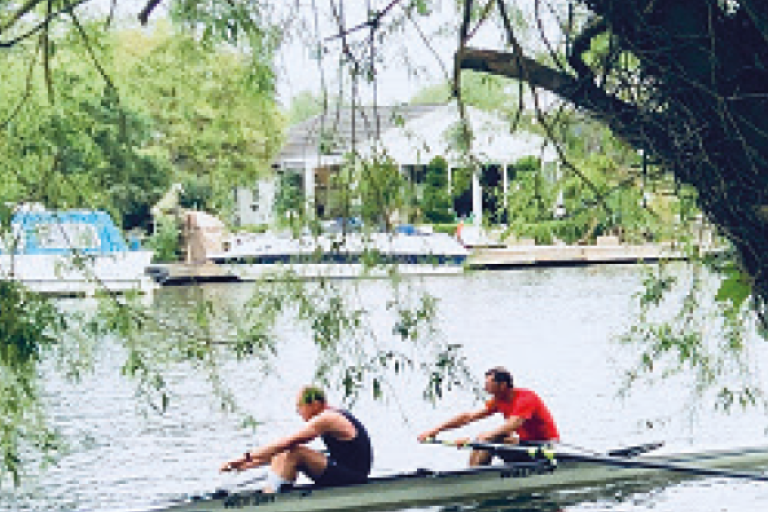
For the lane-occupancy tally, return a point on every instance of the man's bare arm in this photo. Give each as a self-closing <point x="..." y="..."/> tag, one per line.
<point x="263" y="455"/>
<point x="457" y="421"/>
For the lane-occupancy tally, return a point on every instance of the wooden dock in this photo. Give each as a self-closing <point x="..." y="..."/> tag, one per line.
<point x="569" y="255"/>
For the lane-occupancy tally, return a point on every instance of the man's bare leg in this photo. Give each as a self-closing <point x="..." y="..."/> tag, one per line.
<point x="483" y="457"/>
<point x="286" y="464"/>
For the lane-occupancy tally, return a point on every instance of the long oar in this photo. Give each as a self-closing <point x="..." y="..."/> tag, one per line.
<point x="606" y="460"/>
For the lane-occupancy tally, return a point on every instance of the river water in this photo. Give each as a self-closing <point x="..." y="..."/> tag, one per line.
<point x="554" y="328"/>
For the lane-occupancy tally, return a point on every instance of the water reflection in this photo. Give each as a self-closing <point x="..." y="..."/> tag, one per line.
<point x="553" y="328"/>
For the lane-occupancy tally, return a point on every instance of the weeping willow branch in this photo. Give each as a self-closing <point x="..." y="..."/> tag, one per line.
<point x="40" y="26"/>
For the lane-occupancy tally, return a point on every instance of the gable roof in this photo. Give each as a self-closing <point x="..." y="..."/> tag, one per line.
<point x="337" y="130"/>
<point x="436" y="133"/>
<point x="411" y="134"/>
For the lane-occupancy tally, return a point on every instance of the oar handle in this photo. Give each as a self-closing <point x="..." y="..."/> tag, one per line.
<point x="533" y="451"/>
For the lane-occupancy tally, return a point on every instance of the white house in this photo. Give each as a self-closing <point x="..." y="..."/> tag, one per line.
<point x="411" y="134"/>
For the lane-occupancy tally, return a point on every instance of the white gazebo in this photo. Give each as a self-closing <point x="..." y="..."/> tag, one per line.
<point x="411" y="134"/>
<point x="434" y="134"/>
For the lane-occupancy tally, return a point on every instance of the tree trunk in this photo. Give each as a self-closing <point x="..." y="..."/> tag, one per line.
<point x="704" y="109"/>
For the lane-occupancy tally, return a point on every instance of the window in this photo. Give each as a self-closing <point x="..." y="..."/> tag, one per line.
<point x="67" y="236"/>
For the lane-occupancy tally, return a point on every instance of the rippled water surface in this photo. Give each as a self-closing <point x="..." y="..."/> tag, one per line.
<point x="553" y="328"/>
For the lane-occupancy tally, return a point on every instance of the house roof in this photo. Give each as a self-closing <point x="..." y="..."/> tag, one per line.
<point x="410" y="134"/>
<point x="337" y="130"/>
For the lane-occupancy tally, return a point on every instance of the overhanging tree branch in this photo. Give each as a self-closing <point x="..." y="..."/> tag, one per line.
<point x="91" y="53"/>
<point x="373" y="22"/>
<point x="37" y="28"/>
<point x="147" y="10"/>
<point x="628" y="121"/>
<point x="23" y="10"/>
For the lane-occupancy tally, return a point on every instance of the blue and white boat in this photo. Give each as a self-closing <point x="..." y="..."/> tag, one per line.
<point x="73" y="252"/>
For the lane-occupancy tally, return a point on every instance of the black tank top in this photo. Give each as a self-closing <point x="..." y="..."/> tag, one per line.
<point x="356" y="453"/>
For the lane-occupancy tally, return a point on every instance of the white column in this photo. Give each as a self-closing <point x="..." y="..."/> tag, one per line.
<point x="309" y="188"/>
<point x="504" y="179"/>
<point x="477" y="198"/>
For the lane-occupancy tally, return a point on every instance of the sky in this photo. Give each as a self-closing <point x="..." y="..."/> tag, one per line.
<point x="413" y="59"/>
<point x="408" y="65"/>
<point x="298" y="72"/>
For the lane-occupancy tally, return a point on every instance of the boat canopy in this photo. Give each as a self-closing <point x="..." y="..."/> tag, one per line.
<point x="64" y="232"/>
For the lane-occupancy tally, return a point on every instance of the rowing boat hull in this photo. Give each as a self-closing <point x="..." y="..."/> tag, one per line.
<point x="407" y="490"/>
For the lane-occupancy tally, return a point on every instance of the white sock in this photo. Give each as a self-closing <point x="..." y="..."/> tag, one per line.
<point x="275" y="482"/>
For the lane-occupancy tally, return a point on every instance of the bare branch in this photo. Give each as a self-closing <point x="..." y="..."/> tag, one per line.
<point x="373" y="22"/>
<point x="621" y="116"/>
<point x="512" y="41"/>
<point x="46" y="43"/>
<point x="463" y="34"/>
<point x="37" y="28"/>
<point x="111" y="15"/>
<point x="27" y="90"/>
<point x="483" y="16"/>
<point x="465" y="21"/>
<point x="24" y="9"/>
<point x="90" y="51"/>
<point x="147" y="10"/>
<point x="430" y="47"/>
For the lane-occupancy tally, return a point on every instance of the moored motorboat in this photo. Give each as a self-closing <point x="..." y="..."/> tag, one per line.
<point x="73" y="252"/>
<point x="561" y="470"/>
<point x="341" y="255"/>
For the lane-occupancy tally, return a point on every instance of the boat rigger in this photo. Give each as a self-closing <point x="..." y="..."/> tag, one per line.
<point x="553" y="470"/>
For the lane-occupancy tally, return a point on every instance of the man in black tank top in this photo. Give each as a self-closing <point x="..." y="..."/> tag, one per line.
<point x="349" y="458"/>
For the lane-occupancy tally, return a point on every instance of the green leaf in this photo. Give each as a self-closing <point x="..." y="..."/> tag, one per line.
<point x="735" y="288"/>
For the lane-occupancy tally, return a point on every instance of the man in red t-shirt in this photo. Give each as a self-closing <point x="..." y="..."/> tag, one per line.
<point x="527" y="419"/>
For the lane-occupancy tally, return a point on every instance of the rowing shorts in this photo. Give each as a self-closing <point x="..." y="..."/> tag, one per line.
<point x="336" y="474"/>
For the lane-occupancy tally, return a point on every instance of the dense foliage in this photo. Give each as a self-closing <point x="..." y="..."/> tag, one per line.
<point x="28" y="329"/>
<point x="213" y="121"/>
<point x="437" y="197"/>
<point x="79" y="145"/>
<point x="118" y="140"/>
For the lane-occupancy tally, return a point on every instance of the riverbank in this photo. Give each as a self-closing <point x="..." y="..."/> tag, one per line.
<point x="524" y="254"/>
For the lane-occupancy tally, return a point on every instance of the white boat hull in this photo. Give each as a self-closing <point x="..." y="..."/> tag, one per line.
<point x="276" y="271"/>
<point x="354" y="255"/>
<point x="115" y="272"/>
<point x="407" y="490"/>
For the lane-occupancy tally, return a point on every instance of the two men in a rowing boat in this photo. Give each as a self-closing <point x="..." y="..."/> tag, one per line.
<point x="527" y="419"/>
<point x="349" y="457"/>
